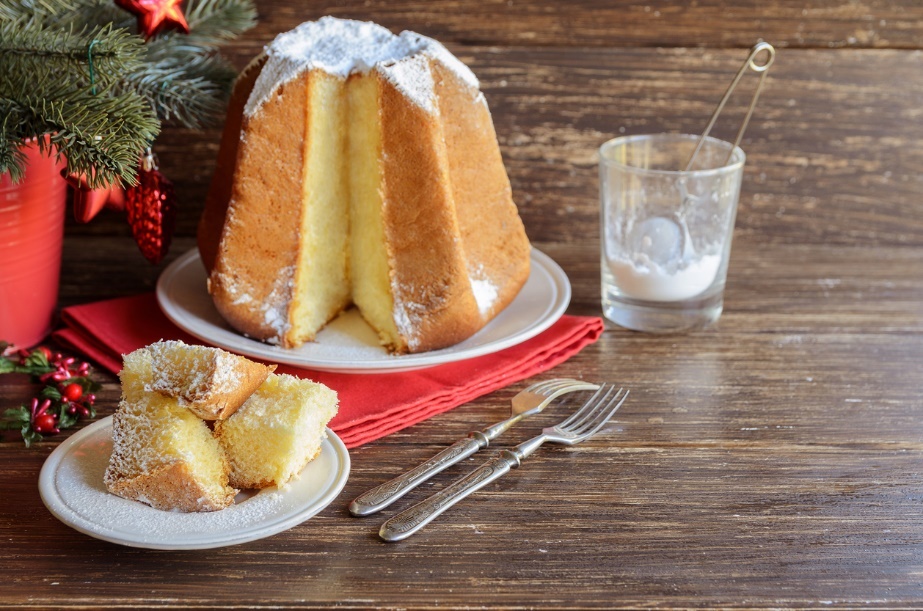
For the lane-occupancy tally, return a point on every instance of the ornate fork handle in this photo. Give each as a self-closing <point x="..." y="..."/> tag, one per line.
<point x="413" y="519"/>
<point x="383" y="495"/>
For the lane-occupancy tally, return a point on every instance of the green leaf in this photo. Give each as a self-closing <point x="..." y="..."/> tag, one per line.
<point x="30" y="436"/>
<point x="51" y="392"/>
<point x="7" y="366"/>
<point x="65" y="420"/>
<point x="17" y="414"/>
<point x="86" y="384"/>
<point x="38" y="359"/>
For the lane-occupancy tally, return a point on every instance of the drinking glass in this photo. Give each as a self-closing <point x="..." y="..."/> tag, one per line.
<point x="666" y="229"/>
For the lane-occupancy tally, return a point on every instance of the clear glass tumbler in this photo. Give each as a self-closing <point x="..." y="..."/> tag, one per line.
<point x="666" y="230"/>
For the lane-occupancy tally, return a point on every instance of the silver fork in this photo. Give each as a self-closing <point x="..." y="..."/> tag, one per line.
<point x="527" y="402"/>
<point x="582" y="425"/>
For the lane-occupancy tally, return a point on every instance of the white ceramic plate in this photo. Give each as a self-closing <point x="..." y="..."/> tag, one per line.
<point x="348" y="344"/>
<point x="71" y="485"/>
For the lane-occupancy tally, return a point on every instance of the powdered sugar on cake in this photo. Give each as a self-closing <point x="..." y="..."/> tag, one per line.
<point x="342" y="47"/>
<point x="413" y="78"/>
<point x="485" y="292"/>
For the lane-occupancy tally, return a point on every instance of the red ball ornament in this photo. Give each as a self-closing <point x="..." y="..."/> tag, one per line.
<point x="46" y="424"/>
<point x="156" y="15"/>
<point x="151" y="208"/>
<point x="72" y="392"/>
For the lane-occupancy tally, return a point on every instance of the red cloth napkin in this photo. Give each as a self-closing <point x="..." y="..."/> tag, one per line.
<point x="371" y="405"/>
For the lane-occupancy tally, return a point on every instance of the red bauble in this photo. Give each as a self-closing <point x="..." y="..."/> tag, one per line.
<point x="156" y="15"/>
<point x="72" y="392"/>
<point x="46" y="424"/>
<point x="151" y="208"/>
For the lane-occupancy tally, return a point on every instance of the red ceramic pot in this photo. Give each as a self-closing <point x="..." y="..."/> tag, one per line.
<point x="31" y="235"/>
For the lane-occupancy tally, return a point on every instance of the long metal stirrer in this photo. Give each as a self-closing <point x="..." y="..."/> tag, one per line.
<point x="752" y="65"/>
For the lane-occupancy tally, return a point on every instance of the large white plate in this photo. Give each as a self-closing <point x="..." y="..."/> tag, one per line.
<point x="348" y="344"/>
<point x="71" y="485"/>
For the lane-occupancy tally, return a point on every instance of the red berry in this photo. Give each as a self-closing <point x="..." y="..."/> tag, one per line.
<point x="45" y="424"/>
<point x="72" y="392"/>
<point x="45" y="351"/>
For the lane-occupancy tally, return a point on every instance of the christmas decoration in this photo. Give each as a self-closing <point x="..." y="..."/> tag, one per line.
<point x="88" y="202"/>
<point x="66" y="398"/>
<point x="156" y="15"/>
<point x="80" y="80"/>
<point x="151" y="208"/>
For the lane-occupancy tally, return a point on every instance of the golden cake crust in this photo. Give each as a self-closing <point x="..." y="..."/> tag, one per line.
<point x="219" y="193"/>
<point x="496" y="248"/>
<point x="165" y="455"/>
<point x="170" y="487"/>
<point x="434" y="304"/>
<point x="252" y="281"/>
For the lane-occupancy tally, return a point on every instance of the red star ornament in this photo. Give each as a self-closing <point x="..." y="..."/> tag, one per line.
<point x="88" y="202"/>
<point x="156" y="15"/>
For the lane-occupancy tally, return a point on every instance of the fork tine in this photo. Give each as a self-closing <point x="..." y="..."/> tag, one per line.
<point x="588" y="414"/>
<point x="542" y="387"/>
<point x="603" y="415"/>
<point x="588" y="406"/>
<point x="551" y="386"/>
<point x="564" y="386"/>
<point x="535" y="387"/>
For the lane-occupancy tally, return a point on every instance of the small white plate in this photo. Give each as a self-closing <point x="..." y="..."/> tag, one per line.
<point x="348" y="344"/>
<point x="71" y="485"/>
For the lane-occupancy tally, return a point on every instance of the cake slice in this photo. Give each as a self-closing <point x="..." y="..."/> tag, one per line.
<point x="210" y="382"/>
<point x="163" y="454"/>
<point x="277" y="431"/>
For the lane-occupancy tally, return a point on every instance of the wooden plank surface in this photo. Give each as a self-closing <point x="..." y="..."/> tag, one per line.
<point x="772" y="460"/>
<point x="655" y="23"/>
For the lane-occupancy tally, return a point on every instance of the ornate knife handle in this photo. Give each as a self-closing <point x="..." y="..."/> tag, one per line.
<point x="383" y="495"/>
<point x="411" y="520"/>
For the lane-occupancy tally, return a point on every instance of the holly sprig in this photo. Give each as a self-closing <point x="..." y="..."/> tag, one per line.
<point x="66" y="398"/>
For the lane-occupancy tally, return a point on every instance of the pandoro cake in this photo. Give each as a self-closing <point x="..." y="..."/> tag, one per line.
<point x="360" y="167"/>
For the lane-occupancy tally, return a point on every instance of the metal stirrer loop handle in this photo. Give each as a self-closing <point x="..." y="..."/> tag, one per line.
<point x="761" y="69"/>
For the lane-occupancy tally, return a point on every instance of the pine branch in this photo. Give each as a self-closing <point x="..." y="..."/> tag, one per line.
<point x="100" y="136"/>
<point x="12" y="158"/>
<point x="100" y="57"/>
<point x="76" y="70"/>
<point x="191" y="92"/>
<point x="12" y="10"/>
<point x="95" y="13"/>
<point x="49" y="88"/>
<point x="214" y="22"/>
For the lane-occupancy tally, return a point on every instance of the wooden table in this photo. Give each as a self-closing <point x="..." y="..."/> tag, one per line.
<point x="773" y="460"/>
